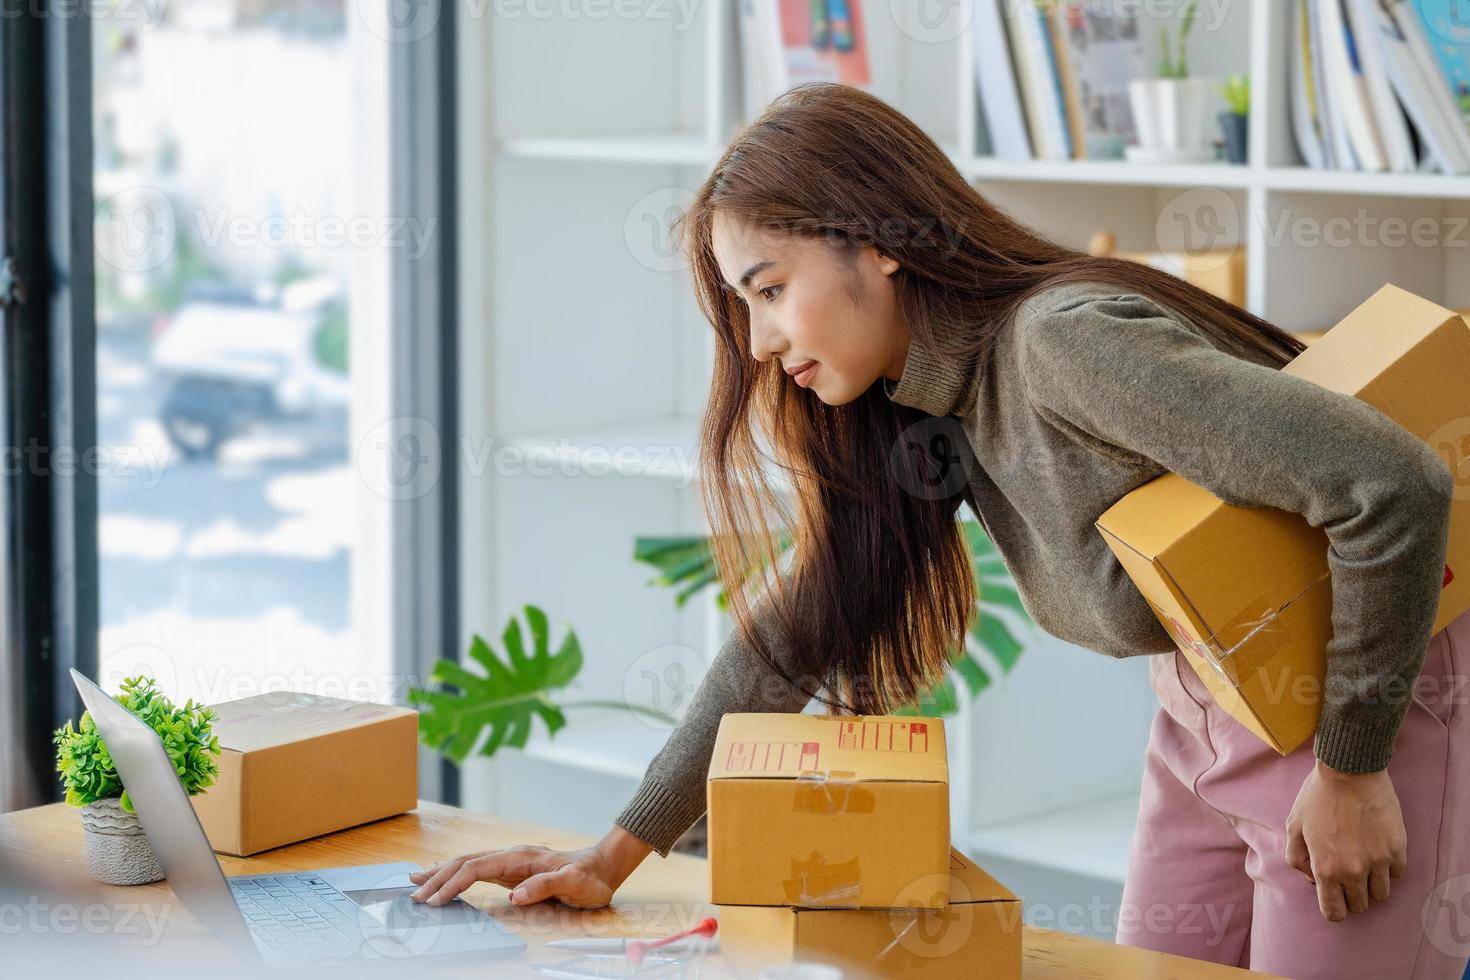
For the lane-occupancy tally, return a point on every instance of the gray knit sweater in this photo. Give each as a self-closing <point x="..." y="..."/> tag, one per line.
<point x="1092" y="391"/>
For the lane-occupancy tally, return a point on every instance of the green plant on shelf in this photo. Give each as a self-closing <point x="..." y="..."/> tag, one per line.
<point x="1237" y="91"/>
<point x="686" y="564"/>
<point x="85" y="765"/>
<point x="1177" y="65"/>
<point x="509" y="696"/>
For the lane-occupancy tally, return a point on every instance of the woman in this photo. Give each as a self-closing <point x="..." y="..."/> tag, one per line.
<point x="900" y="346"/>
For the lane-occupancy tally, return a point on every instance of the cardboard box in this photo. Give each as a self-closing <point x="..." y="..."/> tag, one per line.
<point x="977" y="935"/>
<point x="1220" y="271"/>
<point x="829" y="811"/>
<point x="294" y="766"/>
<point x="1245" y="591"/>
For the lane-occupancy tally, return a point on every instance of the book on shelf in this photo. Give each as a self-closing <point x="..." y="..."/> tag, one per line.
<point x="1380" y="85"/>
<point x="784" y="43"/>
<point x="1052" y="79"/>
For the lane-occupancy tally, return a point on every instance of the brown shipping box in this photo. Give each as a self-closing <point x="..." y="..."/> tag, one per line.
<point x="294" y="766"/>
<point x="1245" y="591"/>
<point x="977" y="935"/>
<point x="829" y="810"/>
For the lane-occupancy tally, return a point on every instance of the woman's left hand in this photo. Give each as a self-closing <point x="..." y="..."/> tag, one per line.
<point x="1346" y="833"/>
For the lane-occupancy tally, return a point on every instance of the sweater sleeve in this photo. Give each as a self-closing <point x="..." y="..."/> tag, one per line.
<point x="1126" y="371"/>
<point x="671" y="796"/>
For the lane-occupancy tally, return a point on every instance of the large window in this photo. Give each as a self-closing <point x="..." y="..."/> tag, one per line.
<point x="263" y="315"/>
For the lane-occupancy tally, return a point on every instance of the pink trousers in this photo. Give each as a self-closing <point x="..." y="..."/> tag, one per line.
<point x="1207" y="873"/>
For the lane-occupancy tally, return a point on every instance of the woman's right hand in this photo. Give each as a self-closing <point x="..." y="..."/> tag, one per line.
<point x="584" y="878"/>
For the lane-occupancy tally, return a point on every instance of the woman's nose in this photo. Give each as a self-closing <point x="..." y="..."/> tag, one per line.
<point x="764" y="341"/>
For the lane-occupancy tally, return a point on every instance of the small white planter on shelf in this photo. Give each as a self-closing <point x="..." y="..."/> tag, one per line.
<point x="1172" y="117"/>
<point x="118" y="852"/>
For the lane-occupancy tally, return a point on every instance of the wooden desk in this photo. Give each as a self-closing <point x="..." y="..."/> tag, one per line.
<point x="662" y="896"/>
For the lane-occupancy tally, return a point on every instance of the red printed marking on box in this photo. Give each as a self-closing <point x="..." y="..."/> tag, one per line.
<point x="773" y="756"/>
<point x="884" y="736"/>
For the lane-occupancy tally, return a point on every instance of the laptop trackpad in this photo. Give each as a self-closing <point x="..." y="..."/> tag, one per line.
<point x="399" y="926"/>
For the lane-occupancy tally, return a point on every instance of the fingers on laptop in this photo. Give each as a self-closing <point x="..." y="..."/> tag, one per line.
<point x="571" y="885"/>
<point x="507" y="866"/>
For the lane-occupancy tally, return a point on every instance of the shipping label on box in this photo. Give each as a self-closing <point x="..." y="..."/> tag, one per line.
<point x="978" y="934"/>
<point x="826" y="810"/>
<point x="294" y="766"/>
<point x="1246" y="592"/>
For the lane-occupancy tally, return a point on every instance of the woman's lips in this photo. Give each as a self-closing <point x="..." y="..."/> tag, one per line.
<point x="804" y="376"/>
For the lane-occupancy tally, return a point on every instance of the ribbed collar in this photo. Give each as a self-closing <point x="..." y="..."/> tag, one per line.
<point x="935" y="381"/>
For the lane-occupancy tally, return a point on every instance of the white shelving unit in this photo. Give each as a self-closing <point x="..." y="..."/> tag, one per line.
<point x="567" y="183"/>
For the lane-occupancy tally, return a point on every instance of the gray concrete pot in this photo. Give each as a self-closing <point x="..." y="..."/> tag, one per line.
<point x="118" y="852"/>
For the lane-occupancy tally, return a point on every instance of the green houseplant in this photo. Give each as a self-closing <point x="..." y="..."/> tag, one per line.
<point x="686" y="564"/>
<point x="1170" y="110"/>
<point x="498" y="706"/>
<point x="1234" y="122"/>
<point x="118" y="852"/>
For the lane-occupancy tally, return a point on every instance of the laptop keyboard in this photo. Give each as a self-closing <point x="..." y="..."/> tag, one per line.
<point x="299" y="916"/>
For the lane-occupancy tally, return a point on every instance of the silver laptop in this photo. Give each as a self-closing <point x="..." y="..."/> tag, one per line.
<point x="360" y="912"/>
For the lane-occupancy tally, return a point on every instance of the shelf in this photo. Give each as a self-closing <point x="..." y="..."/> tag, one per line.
<point x="1107" y="172"/>
<point x="665" y="148"/>
<point x="1357" y="182"/>
<point x="1227" y="176"/>
<point x="1091" y="839"/>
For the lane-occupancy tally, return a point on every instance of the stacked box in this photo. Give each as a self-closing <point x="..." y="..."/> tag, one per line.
<point x="829" y="840"/>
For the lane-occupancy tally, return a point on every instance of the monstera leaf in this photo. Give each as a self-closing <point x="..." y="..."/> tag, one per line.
<point x="506" y="699"/>
<point x="687" y="564"/>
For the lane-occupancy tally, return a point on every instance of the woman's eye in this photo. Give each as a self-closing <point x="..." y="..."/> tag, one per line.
<point x="765" y="292"/>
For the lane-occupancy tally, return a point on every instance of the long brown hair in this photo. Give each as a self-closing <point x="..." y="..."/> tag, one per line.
<point x="879" y="589"/>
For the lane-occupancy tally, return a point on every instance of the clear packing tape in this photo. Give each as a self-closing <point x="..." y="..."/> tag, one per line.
<point x="1248" y="641"/>
<point x="813" y="881"/>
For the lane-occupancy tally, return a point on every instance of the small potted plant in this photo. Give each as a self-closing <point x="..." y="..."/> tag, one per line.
<point x="118" y="852"/>
<point x="1170" y="111"/>
<point x="1234" y="121"/>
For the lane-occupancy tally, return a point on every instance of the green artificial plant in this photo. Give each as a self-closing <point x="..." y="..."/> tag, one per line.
<point x="1237" y="91"/>
<point x="687" y="565"/>
<point x="86" y="766"/>
<point x="508" y="696"/>
<point x="1178" y="65"/>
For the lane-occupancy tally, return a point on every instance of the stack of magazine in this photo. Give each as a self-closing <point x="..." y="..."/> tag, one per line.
<point x="1381" y="85"/>
<point x="1053" y="78"/>
<point x="787" y="42"/>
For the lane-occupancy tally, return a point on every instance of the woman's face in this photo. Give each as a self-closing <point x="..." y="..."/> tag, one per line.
<point x="831" y="320"/>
